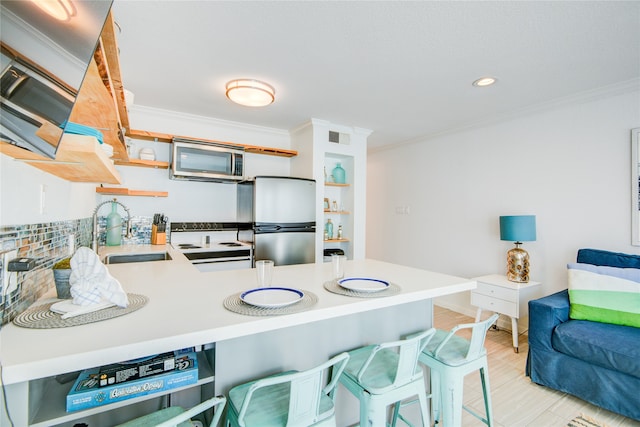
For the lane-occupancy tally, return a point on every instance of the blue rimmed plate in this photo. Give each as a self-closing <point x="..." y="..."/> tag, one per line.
<point x="363" y="284"/>
<point x="271" y="297"/>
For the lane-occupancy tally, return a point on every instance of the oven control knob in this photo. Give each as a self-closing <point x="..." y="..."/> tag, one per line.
<point x="184" y="226"/>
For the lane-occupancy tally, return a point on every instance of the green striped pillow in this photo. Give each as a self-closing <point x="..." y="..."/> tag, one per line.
<point x="604" y="294"/>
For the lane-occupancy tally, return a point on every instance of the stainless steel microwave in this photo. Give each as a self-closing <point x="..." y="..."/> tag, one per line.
<point x="206" y="161"/>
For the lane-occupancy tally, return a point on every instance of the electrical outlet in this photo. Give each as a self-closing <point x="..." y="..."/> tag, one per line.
<point x="403" y="210"/>
<point x="9" y="278"/>
<point x="43" y="199"/>
<point x="72" y="244"/>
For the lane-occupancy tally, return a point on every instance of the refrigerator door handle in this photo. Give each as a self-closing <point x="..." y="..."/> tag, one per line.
<point x="270" y="228"/>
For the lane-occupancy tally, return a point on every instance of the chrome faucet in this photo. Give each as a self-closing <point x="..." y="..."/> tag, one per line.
<point x="94" y="241"/>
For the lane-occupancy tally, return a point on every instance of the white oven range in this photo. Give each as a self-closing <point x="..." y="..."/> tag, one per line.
<point x="211" y="246"/>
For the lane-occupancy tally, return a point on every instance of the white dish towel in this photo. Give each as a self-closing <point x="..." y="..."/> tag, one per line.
<point x="91" y="282"/>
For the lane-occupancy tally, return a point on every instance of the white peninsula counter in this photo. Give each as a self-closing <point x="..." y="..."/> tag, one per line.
<point x="185" y="309"/>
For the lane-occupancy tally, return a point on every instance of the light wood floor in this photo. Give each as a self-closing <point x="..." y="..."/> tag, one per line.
<point x="517" y="402"/>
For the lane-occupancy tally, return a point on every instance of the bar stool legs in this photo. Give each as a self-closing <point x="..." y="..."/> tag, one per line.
<point x="386" y="374"/>
<point x="447" y="386"/>
<point x="450" y="358"/>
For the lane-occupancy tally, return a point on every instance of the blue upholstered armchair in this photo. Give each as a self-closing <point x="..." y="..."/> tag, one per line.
<point x="595" y="361"/>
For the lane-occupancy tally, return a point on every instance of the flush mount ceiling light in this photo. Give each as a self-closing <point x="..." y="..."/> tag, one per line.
<point x="485" y="81"/>
<point x="251" y="93"/>
<point x="62" y="10"/>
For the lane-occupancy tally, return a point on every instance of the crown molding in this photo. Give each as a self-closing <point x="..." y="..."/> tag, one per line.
<point x="596" y="94"/>
<point x="173" y="115"/>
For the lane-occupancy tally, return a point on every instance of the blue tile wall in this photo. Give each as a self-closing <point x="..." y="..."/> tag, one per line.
<point x="48" y="243"/>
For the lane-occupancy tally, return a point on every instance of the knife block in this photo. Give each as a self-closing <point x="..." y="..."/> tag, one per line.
<point x="158" y="238"/>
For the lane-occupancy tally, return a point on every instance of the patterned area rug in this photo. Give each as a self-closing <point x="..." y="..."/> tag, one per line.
<point x="585" y="421"/>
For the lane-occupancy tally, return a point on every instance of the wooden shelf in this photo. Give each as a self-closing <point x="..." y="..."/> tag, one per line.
<point x="270" y="151"/>
<point x="337" y="212"/>
<point x="336" y="240"/>
<point x="79" y="159"/>
<point x="165" y="137"/>
<point x="143" y="163"/>
<point x="335" y="184"/>
<point x="118" y="191"/>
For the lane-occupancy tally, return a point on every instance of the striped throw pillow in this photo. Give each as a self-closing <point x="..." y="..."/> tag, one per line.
<point x="604" y="294"/>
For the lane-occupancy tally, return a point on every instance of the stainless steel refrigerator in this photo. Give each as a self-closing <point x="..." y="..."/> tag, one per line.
<point x="281" y="211"/>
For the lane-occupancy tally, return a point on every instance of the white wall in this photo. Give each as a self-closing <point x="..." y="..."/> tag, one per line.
<point x="20" y="191"/>
<point x="569" y="166"/>
<point x="20" y="184"/>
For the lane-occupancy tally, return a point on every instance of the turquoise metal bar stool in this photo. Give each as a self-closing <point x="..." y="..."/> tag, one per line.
<point x="291" y="399"/>
<point x="385" y="374"/>
<point x="450" y="358"/>
<point x="177" y="416"/>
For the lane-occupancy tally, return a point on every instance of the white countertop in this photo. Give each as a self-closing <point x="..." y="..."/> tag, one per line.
<point x="185" y="308"/>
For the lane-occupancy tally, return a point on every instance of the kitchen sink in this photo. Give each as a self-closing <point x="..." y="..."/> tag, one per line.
<point x="126" y="258"/>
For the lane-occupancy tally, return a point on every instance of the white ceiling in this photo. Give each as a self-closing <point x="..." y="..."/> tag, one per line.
<point x="402" y="69"/>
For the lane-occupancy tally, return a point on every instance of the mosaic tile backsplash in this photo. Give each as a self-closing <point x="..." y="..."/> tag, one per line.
<point x="48" y="243"/>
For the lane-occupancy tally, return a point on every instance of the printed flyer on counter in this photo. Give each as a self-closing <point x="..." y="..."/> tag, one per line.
<point x="87" y="393"/>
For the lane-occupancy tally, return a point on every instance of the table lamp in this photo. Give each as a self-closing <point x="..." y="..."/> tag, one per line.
<point x="518" y="229"/>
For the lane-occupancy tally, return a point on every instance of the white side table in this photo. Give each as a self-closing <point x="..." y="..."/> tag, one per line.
<point x="496" y="293"/>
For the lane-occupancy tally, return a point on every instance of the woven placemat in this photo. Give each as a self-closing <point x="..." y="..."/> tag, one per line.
<point x="40" y="317"/>
<point x="333" y="287"/>
<point x="235" y="304"/>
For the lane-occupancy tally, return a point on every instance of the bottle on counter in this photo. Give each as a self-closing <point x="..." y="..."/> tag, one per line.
<point x="329" y="229"/>
<point x="114" y="226"/>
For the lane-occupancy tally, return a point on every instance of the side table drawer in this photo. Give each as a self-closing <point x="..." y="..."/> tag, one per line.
<point x="497" y="292"/>
<point x="497" y="305"/>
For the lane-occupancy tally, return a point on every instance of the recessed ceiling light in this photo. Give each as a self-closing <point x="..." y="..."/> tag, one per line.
<point x="251" y="93"/>
<point x="485" y="81"/>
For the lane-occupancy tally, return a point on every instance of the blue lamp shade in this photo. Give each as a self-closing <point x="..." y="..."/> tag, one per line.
<point x="518" y="228"/>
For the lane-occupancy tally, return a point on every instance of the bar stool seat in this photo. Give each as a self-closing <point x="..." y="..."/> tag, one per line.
<point x="291" y="399"/>
<point x="178" y="416"/>
<point x="450" y="358"/>
<point x="385" y="374"/>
